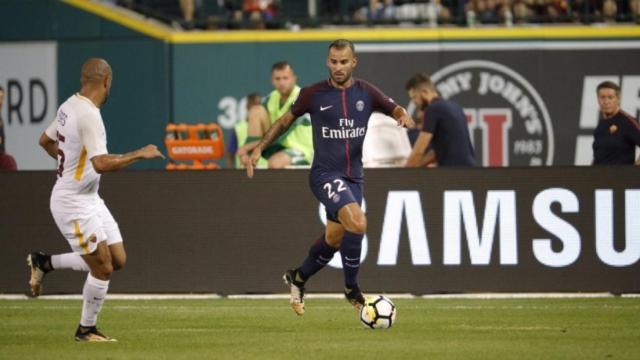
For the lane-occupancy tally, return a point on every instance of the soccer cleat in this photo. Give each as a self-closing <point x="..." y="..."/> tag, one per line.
<point x="296" y="287"/>
<point x="354" y="297"/>
<point x="36" y="261"/>
<point x="91" y="334"/>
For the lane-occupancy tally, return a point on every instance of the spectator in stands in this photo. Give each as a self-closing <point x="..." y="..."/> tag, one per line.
<point x="442" y="11"/>
<point x="481" y="11"/>
<point x="522" y="12"/>
<point x="232" y="9"/>
<point x="609" y="11"/>
<point x="188" y="8"/>
<point x="7" y="162"/>
<point x="331" y="10"/>
<point x="634" y="10"/>
<point x="557" y="10"/>
<point x="583" y="10"/>
<point x="375" y="10"/>
<point x="505" y="14"/>
<point x="266" y="10"/>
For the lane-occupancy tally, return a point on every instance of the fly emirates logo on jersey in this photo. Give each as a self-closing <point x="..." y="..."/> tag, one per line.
<point x="346" y="130"/>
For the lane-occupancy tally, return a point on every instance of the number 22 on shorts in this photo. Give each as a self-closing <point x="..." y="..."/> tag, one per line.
<point x="339" y="188"/>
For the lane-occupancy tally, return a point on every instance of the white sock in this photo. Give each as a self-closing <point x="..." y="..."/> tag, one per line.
<point x="94" y="292"/>
<point x="69" y="261"/>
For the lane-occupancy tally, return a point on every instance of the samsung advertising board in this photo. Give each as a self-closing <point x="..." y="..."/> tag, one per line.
<point x="560" y="229"/>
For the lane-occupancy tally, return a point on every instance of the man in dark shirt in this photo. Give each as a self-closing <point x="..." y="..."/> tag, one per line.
<point x="444" y="128"/>
<point x="340" y="108"/>
<point x="618" y="133"/>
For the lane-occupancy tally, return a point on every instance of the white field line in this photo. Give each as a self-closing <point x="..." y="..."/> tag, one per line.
<point x="118" y="297"/>
<point x="309" y="296"/>
<point x="519" y="296"/>
<point x="326" y="296"/>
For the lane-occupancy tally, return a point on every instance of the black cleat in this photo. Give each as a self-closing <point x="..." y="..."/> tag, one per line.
<point x="296" y="289"/>
<point x="91" y="334"/>
<point x="354" y="297"/>
<point x="36" y="261"/>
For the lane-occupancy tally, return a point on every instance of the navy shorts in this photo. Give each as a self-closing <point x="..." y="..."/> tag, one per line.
<point x="334" y="191"/>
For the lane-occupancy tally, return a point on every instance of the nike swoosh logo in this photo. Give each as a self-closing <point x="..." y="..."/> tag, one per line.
<point x="323" y="108"/>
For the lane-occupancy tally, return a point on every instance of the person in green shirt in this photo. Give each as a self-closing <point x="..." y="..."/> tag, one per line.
<point x="239" y="135"/>
<point x="295" y="147"/>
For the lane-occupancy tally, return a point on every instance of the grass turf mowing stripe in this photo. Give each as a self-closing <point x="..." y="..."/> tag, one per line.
<point x="268" y="329"/>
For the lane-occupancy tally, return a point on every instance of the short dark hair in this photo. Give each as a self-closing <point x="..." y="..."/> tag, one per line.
<point x="254" y="97"/>
<point x="609" y="85"/>
<point x="1" y="88"/>
<point x="280" y="65"/>
<point x="418" y="80"/>
<point x="341" y="44"/>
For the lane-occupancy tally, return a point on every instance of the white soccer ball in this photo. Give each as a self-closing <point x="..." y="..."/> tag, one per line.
<point x="378" y="312"/>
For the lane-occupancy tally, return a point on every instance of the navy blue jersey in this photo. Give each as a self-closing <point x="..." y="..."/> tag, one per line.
<point x="448" y="124"/>
<point x="615" y="140"/>
<point x="339" y="118"/>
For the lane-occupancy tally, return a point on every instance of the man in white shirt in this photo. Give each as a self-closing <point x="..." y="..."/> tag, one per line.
<point x="77" y="139"/>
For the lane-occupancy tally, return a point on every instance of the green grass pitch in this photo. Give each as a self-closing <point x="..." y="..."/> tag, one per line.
<point x="605" y="328"/>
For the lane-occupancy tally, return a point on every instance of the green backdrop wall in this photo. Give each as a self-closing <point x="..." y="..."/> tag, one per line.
<point x="157" y="81"/>
<point x="140" y="100"/>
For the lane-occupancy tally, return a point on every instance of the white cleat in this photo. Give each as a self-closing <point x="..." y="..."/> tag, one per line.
<point x="37" y="273"/>
<point x="296" y="290"/>
<point x="355" y="297"/>
<point x="92" y="335"/>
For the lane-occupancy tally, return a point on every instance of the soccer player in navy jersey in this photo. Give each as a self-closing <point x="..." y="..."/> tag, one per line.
<point x="444" y="129"/>
<point x="340" y="108"/>
<point x="618" y="134"/>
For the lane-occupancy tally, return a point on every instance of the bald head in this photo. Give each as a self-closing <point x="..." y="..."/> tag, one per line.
<point x="95" y="80"/>
<point x="94" y="71"/>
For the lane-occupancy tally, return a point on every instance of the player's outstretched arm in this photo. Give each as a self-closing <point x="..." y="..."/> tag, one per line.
<point x="114" y="162"/>
<point x="49" y="145"/>
<point x="278" y="128"/>
<point x="402" y="117"/>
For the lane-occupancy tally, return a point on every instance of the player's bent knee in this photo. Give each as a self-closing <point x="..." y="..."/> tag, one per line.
<point x="334" y="241"/>
<point x="104" y="260"/>
<point x="102" y="271"/>
<point x="279" y="161"/>
<point x="276" y="165"/>
<point x="357" y="226"/>
<point x="106" y="268"/>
